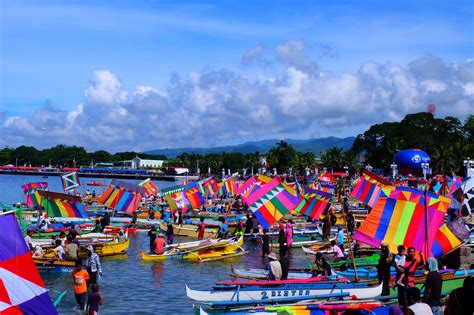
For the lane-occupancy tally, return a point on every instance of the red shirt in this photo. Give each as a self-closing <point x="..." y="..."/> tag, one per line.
<point x="159" y="246"/>
<point x="202" y="228"/>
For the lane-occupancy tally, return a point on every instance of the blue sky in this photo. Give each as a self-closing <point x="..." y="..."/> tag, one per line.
<point x="52" y="52"/>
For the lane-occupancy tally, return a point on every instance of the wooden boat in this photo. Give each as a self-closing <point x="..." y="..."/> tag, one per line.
<point x="273" y="283"/>
<point x="233" y="249"/>
<point x="304" y="289"/>
<point x="108" y="248"/>
<point x="48" y="233"/>
<point x="181" y="249"/>
<point x="303" y="307"/>
<point x="53" y="265"/>
<point x="257" y="273"/>
<point x="95" y="183"/>
<point x="188" y="230"/>
<point x="451" y="280"/>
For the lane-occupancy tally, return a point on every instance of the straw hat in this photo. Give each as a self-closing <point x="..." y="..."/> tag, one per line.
<point x="272" y="256"/>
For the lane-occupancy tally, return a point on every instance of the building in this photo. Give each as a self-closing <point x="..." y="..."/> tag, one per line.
<point x="141" y="163"/>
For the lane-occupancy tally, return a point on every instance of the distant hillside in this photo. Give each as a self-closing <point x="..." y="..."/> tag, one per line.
<point x="311" y="145"/>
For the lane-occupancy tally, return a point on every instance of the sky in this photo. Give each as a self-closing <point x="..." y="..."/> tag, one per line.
<point x="140" y="75"/>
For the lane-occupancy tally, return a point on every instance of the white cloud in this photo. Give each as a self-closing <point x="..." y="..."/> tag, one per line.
<point x="219" y="106"/>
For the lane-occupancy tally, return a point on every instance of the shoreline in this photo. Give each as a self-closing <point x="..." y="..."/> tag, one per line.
<point x="168" y="178"/>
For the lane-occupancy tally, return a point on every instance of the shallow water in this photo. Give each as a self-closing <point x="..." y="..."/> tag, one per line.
<point x="132" y="287"/>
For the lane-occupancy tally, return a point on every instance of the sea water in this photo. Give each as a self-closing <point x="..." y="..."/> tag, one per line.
<point x="130" y="286"/>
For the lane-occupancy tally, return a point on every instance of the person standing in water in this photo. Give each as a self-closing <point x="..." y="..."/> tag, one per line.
<point x="94" y="300"/>
<point x="93" y="264"/>
<point x="80" y="277"/>
<point x="169" y="233"/>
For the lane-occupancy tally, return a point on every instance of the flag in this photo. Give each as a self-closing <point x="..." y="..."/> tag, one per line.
<point x="150" y="188"/>
<point x="22" y="290"/>
<point x="30" y="190"/>
<point x="122" y="196"/>
<point x="193" y="195"/>
<point x="315" y="203"/>
<point x="271" y="202"/>
<point x="70" y="181"/>
<point x="399" y="219"/>
<point x="63" y="205"/>
<point x="465" y="195"/>
<point x="445" y="241"/>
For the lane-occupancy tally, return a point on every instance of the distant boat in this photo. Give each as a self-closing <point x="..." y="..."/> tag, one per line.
<point x="95" y="183"/>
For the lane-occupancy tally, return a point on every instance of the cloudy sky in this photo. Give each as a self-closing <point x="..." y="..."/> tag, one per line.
<point x="138" y="75"/>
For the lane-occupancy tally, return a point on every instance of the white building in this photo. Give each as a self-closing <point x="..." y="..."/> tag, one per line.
<point x="141" y="163"/>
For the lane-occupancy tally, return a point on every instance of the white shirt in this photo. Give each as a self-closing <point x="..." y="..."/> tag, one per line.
<point x="38" y="251"/>
<point x="421" y="309"/>
<point x="275" y="267"/>
<point x="60" y="252"/>
<point x="28" y="241"/>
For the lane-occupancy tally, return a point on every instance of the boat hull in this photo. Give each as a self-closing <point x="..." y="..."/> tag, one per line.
<point x="188" y="230"/>
<point x="260" y="294"/>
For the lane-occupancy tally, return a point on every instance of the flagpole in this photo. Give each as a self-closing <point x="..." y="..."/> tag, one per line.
<point x="426" y="225"/>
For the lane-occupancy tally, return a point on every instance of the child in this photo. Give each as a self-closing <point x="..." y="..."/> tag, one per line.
<point x="400" y="260"/>
<point x="95" y="299"/>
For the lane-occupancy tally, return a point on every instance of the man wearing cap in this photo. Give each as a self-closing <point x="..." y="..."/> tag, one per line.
<point x="159" y="245"/>
<point x="93" y="265"/>
<point x="275" y="267"/>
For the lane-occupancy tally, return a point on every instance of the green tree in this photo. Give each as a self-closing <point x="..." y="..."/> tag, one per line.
<point x="281" y="156"/>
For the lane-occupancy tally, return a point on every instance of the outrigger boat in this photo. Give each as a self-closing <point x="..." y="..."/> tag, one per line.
<point x="188" y="230"/>
<point x="261" y="274"/>
<point x="53" y="265"/>
<point x="271" y="291"/>
<point x="181" y="249"/>
<point x="233" y="249"/>
<point x="108" y="248"/>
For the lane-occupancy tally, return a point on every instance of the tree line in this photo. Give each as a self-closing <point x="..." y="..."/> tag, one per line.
<point x="65" y="156"/>
<point x="446" y="140"/>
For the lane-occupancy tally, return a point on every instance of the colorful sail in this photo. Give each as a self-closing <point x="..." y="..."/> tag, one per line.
<point x="260" y="181"/>
<point x="193" y="195"/>
<point x="63" y="205"/>
<point x="70" y="181"/>
<point x="271" y="202"/>
<point x="367" y="192"/>
<point x="211" y="187"/>
<point x="33" y="199"/>
<point x="445" y="241"/>
<point x="454" y="184"/>
<point x="174" y="196"/>
<point x="400" y="219"/>
<point x="465" y="195"/>
<point x="22" y="290"/>
<point x="122" y="196"/>
<point x="315" y="203"/>
<point x="150" y="188"/>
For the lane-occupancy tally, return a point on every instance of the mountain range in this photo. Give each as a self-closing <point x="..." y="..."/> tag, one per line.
<point x="310" y="145"/>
